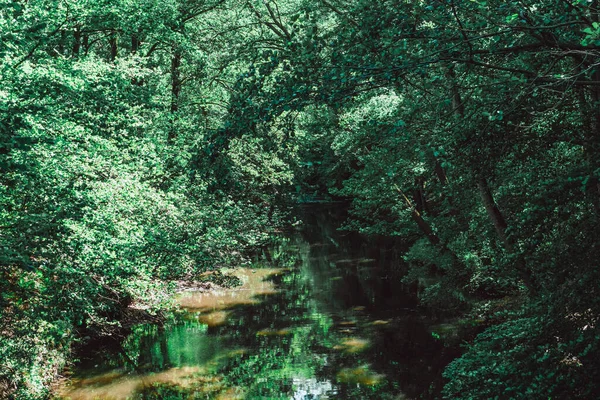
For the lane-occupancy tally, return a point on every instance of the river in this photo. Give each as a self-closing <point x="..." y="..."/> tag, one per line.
<point x="323" y="316"/>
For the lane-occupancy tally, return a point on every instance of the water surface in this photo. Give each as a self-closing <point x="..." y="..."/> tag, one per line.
<point x="326" y="317"/>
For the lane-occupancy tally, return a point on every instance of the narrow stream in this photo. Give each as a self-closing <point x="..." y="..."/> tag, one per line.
<point x="326" y="318"/>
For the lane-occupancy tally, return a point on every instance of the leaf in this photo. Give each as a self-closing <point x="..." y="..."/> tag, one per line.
<point x="512" y="18"/>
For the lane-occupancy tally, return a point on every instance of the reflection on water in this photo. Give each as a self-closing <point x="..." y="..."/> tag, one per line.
<point x="328" y="319"/>
<point x="254" y="284"/>
<point x="212" y="308"/>
<point x="352" y="345"/>
<point x="360" y="375"/>
<point x="121" y="385"/>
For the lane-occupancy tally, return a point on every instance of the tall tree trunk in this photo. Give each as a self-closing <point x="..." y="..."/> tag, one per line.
<point x="457" y="103"/>
<point x="419" y="195"/>
<point x="135" y="44"/>
<point x="440" y="172"/>
<point x="86" y="43"/>
<point x="493" y="212"/>
<point x="484" y="190"/>
<point x="425" y="228"/>
<point x="421" y="223"/>
<point x="77" y="41"/>
<point x="500" y="226"/>
<point x="61" y="42"/>
<point x="458" y="108"/>
<point x="114" y="46"/>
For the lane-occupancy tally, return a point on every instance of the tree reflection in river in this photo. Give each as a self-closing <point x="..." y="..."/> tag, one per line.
<point x="339" y="325"/>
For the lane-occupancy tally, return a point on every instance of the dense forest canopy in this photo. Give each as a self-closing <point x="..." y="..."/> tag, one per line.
<point x="143" y="142"/>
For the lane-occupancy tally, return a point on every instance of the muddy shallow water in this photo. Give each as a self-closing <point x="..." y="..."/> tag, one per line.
<point x="326" y="318"/>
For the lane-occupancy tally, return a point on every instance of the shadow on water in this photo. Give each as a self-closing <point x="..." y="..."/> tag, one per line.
<point x="335" y="323"/>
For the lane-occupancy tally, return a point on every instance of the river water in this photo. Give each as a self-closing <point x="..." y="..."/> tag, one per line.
<point x="323" y="316"/>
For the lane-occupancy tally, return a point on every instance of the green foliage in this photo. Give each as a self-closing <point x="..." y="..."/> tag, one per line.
<point x="515" y="359"/>
<point x="100" y="206"/>
<point x="147" y="141"/>
<point x="470" y="129"/>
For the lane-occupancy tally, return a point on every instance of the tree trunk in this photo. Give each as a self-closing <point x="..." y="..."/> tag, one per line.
<point x="493" y="212"/>
<point x="77" y="42"/>
<point x="440" y="172"/>
<point x="419" y="195"/>
<point x="114" y="47"/>
<point x="500" y="225"/>
<point x="457" y="103"/>
<point x="489" y="203"/>
<point x="135" y="44"/>
<point x="86" y="43"/>
<point x="425" y="228"/>
<point x="61" y="43"/>
<point x="418" y="218"/>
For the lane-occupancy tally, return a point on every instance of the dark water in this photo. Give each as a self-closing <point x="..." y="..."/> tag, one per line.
<point x="335" y="323"/>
